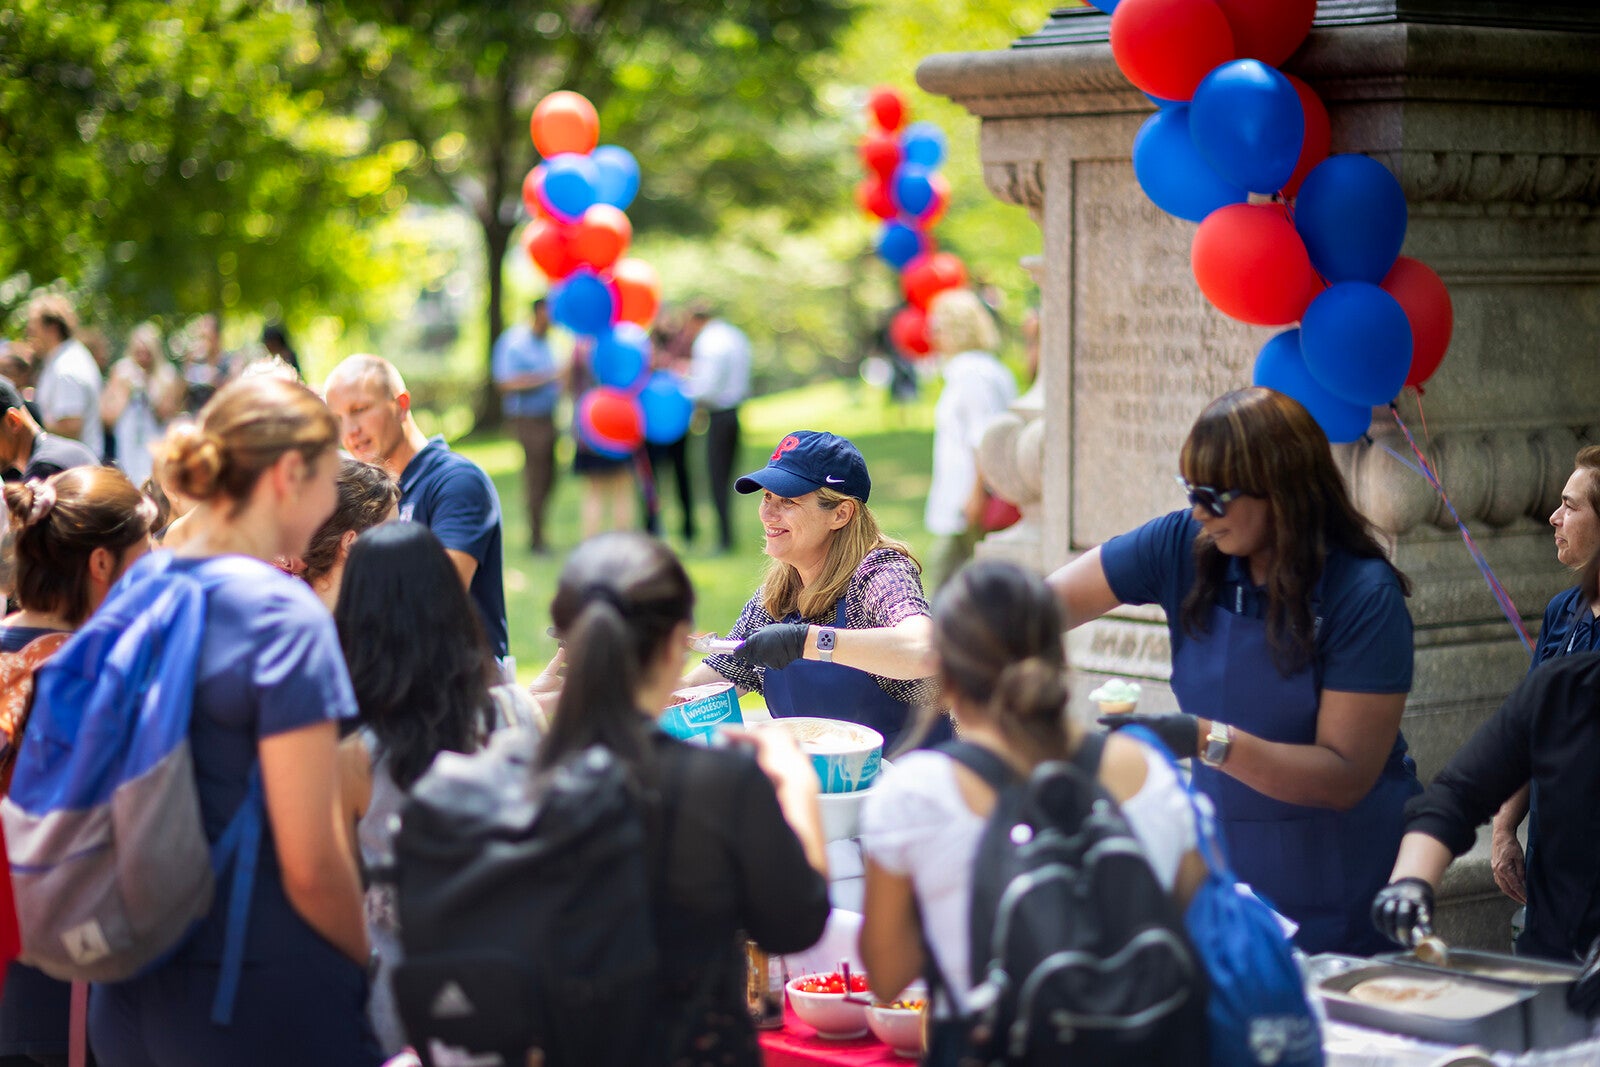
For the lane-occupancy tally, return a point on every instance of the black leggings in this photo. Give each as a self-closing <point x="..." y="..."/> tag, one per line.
<point x="722" y="451"/>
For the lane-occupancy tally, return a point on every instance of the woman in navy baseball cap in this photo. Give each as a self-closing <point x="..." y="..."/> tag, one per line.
<point x="840" y="627"/>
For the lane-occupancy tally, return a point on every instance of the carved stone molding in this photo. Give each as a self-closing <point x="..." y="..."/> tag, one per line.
<point x="1496" y="177"/>
<point x="1017" y="183"/>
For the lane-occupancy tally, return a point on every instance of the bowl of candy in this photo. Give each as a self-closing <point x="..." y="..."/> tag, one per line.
<point x="821" y="1002"/>
<point x="899" y="1023"/>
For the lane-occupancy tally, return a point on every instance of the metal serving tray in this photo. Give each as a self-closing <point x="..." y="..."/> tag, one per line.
<point x="1504" y="1028"/>
<point x="1550" y="1022"/>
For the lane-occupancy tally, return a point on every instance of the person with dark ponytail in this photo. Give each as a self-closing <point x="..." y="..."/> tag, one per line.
<point x="422" y="689"/>
<point x="742" y="836"/>
<point x="74" y="535"/>
<point x="998" y="639"/>
<point x="269" y="692"/>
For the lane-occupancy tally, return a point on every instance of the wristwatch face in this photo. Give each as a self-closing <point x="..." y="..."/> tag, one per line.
<point x="825" y="639"/>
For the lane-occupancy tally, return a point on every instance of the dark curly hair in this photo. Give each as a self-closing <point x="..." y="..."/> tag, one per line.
<point x="367" y="494"/>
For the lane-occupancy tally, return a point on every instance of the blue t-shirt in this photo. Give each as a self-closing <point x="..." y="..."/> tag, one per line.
<point x="452" y="496"/>
<point x="520" y="351"/>
<point x="1363" y="629"/>
<point x="270" y="663"/>
<point x="1568" y="627"/>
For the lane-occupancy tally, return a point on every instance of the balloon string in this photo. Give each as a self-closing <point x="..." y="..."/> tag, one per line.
<point x="1507" y="607"/>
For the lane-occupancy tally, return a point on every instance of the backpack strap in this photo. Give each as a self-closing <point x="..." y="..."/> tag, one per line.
<point x="1208" y="842"/>
<point x="240" y="843"/>
<point x="995" y="772"/>
<point x="1087" y="758"/>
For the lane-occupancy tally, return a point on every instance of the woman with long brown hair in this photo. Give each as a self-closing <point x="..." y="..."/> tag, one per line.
<point x="1291" y="659"/>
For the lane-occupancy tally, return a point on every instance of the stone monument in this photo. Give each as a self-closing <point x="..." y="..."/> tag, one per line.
<point x="1487" y="113"/>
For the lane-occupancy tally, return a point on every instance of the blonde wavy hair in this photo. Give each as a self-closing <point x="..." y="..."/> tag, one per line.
<point x="781" y="591"/>
<point x="959" y="322"/>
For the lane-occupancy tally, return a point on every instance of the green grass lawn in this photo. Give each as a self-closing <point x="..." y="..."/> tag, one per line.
<point x="896" y="441"/>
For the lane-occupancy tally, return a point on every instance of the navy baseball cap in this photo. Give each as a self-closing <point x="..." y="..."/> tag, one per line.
<point x="808" y="460"/>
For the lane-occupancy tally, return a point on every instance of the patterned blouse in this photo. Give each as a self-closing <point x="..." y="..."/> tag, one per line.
<point x="885" y="590"/>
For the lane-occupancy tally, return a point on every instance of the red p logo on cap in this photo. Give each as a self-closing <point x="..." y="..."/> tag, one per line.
<point x="788" y="444"/>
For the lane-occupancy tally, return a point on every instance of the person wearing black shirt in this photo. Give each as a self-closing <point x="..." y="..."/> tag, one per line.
<point x="26" y="450"/>
<point x="1548" y="730"/>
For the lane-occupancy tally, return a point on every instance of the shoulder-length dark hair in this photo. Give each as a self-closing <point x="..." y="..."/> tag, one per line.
<point x="1265" y="444"/>
<point x="618" y="601"/>
<point x="418" y="658"/>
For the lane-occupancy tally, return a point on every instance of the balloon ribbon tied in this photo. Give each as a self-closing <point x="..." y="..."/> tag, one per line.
<point x="1426" y="470"/>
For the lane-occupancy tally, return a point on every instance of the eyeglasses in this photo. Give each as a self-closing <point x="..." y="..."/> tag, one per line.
<point x="1215" y="501"/>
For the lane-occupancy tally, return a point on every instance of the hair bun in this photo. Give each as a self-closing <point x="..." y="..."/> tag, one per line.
<point x="1031" y="688"/>
<point x="192" y="461"/>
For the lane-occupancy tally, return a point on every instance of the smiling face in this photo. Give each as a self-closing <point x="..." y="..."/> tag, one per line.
<point x="1576" y="524"/>
<point x="799" y="530"/>
<point x="371" y="423"/>
<point x="1246" y="529"/>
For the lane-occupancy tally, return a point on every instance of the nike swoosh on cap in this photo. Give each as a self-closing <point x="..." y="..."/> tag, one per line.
<point x="831" y="480"/>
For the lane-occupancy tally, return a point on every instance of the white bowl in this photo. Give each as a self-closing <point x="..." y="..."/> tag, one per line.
<point x="848" y="761"/>
<point x="834" y="1018"/>
<point x="841" y="812"/>
<point x="899" y="1028"/>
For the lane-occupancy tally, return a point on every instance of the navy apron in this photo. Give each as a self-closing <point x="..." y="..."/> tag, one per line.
<point x="834" y="691"/>
<point x="1318" y="866"/>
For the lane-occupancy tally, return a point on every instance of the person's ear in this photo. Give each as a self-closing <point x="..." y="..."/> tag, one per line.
<point x="346" y="539"/>
<point x="403" y="402"/>
<point x="288" y="473"/>
<point x="842" y="514"/>
<point x="102" y="565"/>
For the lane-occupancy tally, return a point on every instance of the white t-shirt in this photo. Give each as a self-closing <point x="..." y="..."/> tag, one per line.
<point x="976" y="389"/>
<point x="914" y="823"/>
<point x="69" y="387"/>
<point x="719" y="367"/>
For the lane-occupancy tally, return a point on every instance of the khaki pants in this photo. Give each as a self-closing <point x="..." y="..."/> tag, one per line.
<point x="537" y="435"/>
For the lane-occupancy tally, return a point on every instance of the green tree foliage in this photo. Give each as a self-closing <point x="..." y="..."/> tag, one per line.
<point x="712" y="96"/>
<point x="173" y="157"/>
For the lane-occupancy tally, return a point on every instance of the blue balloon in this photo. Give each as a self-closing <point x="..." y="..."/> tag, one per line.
<point x="618" y="176"/>
<point x="923" y="143"/>
<point x="1281" y="366"/>
<point x="667" y="411"/>
<point x="912" y="188"/>
<point x="621" y="356"/>
<point x="1171" y="171"/>
<point x="569" y="184"/>
<point x="583" y="303"/>
<point x="1356" y="340"/>
<point x="1247" y="122"/>
<point x="1351" y="213"/>
<point x="1108" y="6"/>
<point x="899" y="244"/>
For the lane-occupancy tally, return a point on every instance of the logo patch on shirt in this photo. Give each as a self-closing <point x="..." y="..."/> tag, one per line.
<point x="407" y="510"/>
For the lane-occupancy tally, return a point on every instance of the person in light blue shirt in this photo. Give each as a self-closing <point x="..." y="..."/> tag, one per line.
<point x="529" y="380"/>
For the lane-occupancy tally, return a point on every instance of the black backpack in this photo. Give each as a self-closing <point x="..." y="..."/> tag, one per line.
<point x="525" y="911"/>
<point x="1078" y="955"/>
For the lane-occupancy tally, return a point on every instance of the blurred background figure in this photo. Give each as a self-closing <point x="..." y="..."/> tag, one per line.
<point x="67" y="388"/>
<point x="608" y="501"/>
<point x="206" y="368"/>
<point x="976" y="389"/>
<point x="717" y="377"/>
<point x="141" y="396"/>
<point x="528" y="378"/>
<point x="276" y="341"/>
<point x="670" y="348"/>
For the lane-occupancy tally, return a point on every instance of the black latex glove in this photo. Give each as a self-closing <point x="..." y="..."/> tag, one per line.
<point x="775" y="645"/>
<point x="1584" y="996"/>
<point x="1403" y="911"/>
<point x="1178" y="731"/>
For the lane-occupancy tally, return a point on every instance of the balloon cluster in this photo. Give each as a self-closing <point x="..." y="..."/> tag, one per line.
<point x="577" y="199"/>
<point x="1324" y="251"/>
<point x="904" y="188"/>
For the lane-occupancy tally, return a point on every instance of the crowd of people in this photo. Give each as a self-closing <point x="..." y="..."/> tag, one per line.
<point x="361" y="630"/>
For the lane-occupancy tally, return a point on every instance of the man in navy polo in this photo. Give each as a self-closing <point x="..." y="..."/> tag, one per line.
<point x="440" y="489"/>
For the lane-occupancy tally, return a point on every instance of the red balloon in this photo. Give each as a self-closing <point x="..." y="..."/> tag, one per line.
<point x="613" y="417"/>
<point x="1252" y="264"/>
<point x="564" y="122"/>
<point x="880" y="154"/>
<point x="533" y="194"/>
<point x="888" y="107"/>
<point x="908" y="330"/>
<point x="930" y="274"/>
<point x="873" y="196"/>
<point x="601" y="236"/>
<point x="1166" y="47"/>
<point x="638" y="291"/>
<point x="549" y="245"/>
<point x="1426" y="302"/>
<point x="1318" y="140"/>
<point x="1268" y="30"/>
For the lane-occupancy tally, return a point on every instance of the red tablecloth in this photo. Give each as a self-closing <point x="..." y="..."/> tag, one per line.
<point x="797" y="1045"/>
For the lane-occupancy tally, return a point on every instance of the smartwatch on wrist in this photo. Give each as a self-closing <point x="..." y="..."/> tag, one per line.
<point x="1214" y="753"/>
<point x="826" y="637"/>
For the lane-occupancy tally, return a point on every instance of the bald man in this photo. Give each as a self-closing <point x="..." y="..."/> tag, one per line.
<point x="444" y="491"/>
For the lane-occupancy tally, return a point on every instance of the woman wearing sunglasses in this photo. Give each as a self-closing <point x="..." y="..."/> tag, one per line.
<point x="1291" y="659"/>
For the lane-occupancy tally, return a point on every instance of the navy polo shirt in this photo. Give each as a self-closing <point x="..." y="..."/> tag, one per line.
<point x="452" y="496"/>
<point x="1568" y="627"/>
<point x="1364" y="630"/>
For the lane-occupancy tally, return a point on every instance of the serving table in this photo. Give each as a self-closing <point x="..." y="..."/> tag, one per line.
<point x="797" y="1045"/>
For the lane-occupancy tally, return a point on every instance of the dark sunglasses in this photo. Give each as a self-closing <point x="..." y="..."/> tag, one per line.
<point x="1215" y="501"/>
